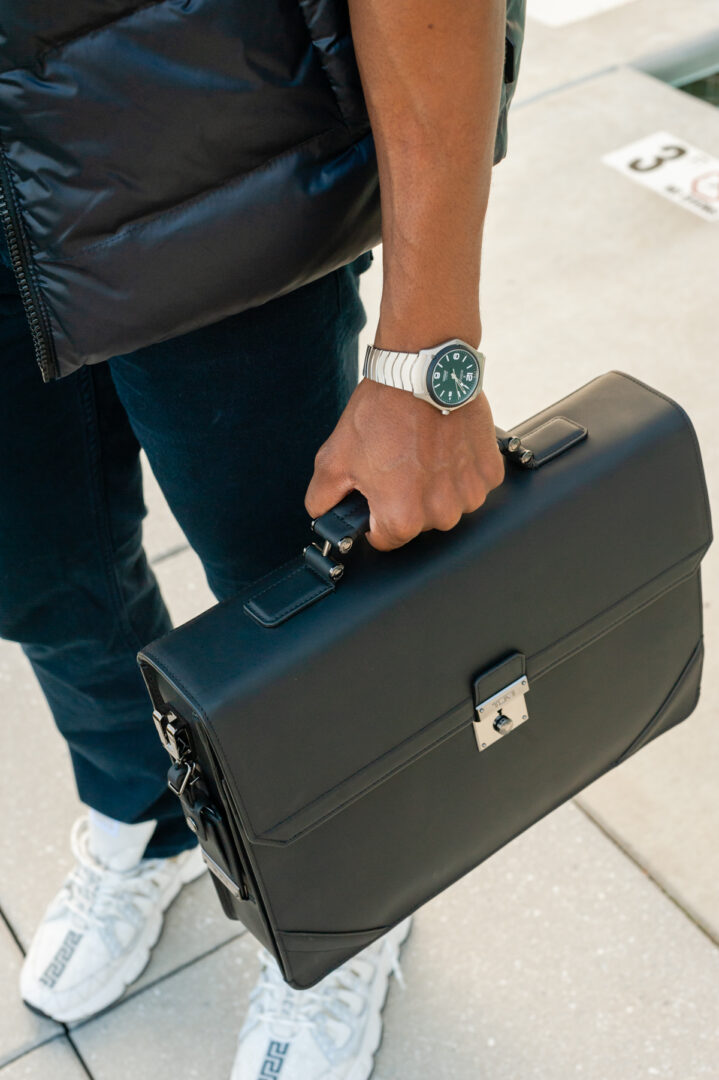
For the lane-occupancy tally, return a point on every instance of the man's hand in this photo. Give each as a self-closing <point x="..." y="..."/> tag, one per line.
<point x="417" y="468"/>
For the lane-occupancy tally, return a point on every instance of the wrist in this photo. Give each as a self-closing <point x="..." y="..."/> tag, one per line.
<point x="410" y="327"/>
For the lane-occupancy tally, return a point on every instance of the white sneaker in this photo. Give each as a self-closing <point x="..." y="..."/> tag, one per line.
<point x="329" y="1032"/>
<point x="96" y="935"/>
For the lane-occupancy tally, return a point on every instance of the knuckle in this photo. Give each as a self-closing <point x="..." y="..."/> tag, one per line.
<point x="494" y="471"/>
<point x="443" y="510"/>
<point x="401" y="528"/>
<point x="474" y="489"/>
<point x="475" y="500"/>
<point x="447" y="521"/>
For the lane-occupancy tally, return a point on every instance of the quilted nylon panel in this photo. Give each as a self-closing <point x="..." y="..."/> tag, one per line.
<point x="171" y="163"/>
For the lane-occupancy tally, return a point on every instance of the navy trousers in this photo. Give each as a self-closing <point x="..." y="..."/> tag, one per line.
<point x="230" y="418"/>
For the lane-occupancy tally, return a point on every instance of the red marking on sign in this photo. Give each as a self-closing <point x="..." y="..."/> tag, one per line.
<point x="707" y="186"/>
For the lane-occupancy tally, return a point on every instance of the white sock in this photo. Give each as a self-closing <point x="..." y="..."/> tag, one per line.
<point x="116" y="845"/>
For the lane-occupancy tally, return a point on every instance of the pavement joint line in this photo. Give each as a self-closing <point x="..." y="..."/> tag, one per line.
<point x="655" y="881"/>
<point x="11" y="930"/>
<point x="598" y="73"/>
<point x="176" y="550"/>
<point x="31" y="1049"/>
<point x="67" y="1031"/>
<point x="80" y="1059"/>
<point x="155" y="982"/>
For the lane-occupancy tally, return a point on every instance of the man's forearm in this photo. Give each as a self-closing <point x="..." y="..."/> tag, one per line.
<point x="432" y="73"/>
<point x="432" y="76"/>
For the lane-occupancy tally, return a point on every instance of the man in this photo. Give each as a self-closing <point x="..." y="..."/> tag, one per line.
<point x="134" y="315"/>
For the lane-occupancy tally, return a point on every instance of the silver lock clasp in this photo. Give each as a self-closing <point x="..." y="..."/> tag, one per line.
<point x="501" y="713"/>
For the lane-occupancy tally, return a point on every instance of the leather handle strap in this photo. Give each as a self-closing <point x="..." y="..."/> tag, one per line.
<point x="346" y="522"/>
<point x="293" y="587"/>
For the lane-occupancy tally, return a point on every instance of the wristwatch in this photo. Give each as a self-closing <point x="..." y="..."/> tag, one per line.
<point x="446" y="375"/>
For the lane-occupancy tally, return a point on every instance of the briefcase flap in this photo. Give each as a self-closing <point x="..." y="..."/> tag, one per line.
<point x="311" y="715"/>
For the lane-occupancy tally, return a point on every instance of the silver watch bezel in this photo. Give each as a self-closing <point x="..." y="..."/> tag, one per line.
<point x="425" y="360"/>
<point x="409" y="371"/>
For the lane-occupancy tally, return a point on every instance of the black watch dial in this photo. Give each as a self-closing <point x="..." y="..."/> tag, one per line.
<point x="452" y="376"/>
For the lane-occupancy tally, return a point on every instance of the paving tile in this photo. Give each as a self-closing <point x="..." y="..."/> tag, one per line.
<point x="605" y="273"/>
<point x="20" y="1028"/>
<point x="662" y="805"/>
<point x="189" y="1020"/>
<point x="608" y="275"/>
<point x="563" y="12"/>
<point x="556" y="958"/>
<point x="554" y="56"/>
<point x="54" y="1061"/>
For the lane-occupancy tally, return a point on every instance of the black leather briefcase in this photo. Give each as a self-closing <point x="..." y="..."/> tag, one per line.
<point x="346" y="745"/>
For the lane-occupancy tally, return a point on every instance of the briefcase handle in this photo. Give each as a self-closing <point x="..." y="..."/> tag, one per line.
<point x="298" y="584"/>
<point x="343" y="525"/>
<point x="340" y="527"/>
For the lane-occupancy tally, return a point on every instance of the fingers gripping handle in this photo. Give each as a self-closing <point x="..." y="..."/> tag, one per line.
<point x="340" y="527"/>
<point x="293" y="587"/>
<point x="345" y="523"/>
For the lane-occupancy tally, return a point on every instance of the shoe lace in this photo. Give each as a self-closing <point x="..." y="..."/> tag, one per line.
<point x="95" y="893"/>
<point x="342" y="992"/>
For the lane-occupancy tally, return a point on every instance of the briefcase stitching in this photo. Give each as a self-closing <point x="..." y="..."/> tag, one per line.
<point x="322" y="589"/>
<point x="279" y="581"/>
<point x="579" y="434"/>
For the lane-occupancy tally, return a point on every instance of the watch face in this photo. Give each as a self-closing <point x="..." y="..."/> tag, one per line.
<point x="452" y="376"/>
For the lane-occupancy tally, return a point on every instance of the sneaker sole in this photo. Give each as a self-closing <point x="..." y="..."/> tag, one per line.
<point x="193" y="867"/>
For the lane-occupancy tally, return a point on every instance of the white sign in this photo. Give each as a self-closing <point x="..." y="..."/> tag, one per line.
<point x="561" y="12"/>
<point x="674" y="169"/>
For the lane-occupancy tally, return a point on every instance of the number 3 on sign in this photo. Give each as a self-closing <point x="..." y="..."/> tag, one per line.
<point x="685" y="175"/>
<point x="668" y="153"/>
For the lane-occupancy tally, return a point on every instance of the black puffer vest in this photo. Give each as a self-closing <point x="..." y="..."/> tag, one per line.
<point x="167" y="163"/>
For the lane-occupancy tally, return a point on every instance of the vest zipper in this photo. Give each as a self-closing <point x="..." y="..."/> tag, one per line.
<point x="42" y="342"/>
